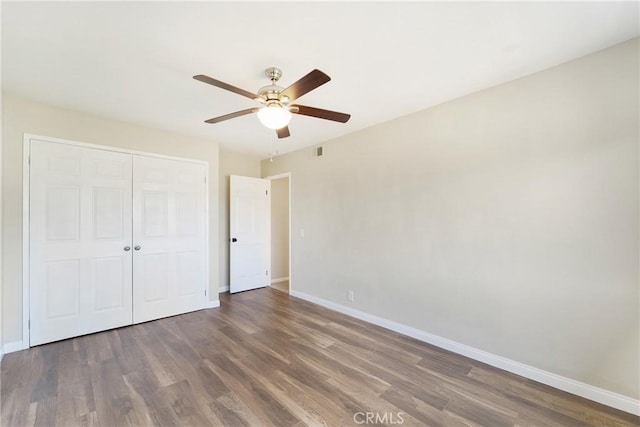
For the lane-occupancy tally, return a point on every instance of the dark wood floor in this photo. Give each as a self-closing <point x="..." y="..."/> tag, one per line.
<point x="264" y="359"/>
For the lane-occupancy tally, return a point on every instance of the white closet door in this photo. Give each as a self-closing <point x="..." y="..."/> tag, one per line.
<point x="80" y="227"/>
<point x="169" y="237"/>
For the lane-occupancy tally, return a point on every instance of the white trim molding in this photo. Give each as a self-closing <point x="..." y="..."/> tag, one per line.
<point x="279" y="279"/>
<point x="12" y="347"/>
<point x="606" y="397"/>
<point x="26" y="238"/>
<point x="288" y="176"/>
<point x="212" y="304"/>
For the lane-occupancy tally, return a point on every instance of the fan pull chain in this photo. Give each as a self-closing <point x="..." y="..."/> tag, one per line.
<point x="271" y="151"/>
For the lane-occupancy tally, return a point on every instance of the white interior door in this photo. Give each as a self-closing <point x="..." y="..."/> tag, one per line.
<point x="80" y="229"/>
<point x="250" y="230"/>
<point x="169" y="237"/>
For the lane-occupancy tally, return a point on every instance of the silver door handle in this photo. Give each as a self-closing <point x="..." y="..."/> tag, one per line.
<point x="137" y="248"/>
<point x="127" y="248"/>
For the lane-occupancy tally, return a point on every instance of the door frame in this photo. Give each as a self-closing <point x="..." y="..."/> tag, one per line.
<point x="26" y="173"/>
<point x="272" y="178"/>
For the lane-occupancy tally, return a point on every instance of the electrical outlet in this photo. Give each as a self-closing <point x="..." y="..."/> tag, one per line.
<point x="350" y="296"/>
<point x="302" y="232"/>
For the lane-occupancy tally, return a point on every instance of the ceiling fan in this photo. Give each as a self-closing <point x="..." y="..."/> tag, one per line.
<point x="276" y="109"/>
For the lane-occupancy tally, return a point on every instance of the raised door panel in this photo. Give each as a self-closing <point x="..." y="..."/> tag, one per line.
<point x="63" y="212"/>
<point x="186" y="214"/>
<point x="80" y="222"/>
<point x="109" y="216"/>
<point x="62" y="289"/>
<point x="189" y="273"/>
<point x="110" y="280"/>
<point x="155" y="281"/>
<point x="154" y="214"/>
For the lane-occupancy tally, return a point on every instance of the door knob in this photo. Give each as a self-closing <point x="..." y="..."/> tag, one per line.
<point x="234" y="239"/>
<point x="137" y="248"/>
<point x="127" y="248"/>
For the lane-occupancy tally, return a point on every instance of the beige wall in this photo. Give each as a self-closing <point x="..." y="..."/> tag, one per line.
<point x="279" y="228"/>
<point x="231" y="164"/>
<point x="21" y="116"/>
<point x="506" y="220"/>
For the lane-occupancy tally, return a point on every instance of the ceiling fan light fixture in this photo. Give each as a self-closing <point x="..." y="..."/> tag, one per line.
<point x="276" y="109"/>
<point x="274" y="116"/>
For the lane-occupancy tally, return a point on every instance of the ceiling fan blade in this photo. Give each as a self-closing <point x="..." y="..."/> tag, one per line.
<point x="314" y="79"/>
<point x="232" y="115"/>
<point x="226" y="86"/>
<point x="283" y="132"/>
<point x="321" y="114"/>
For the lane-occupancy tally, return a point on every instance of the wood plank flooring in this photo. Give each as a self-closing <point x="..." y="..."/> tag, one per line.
<point x="266" y="359"/>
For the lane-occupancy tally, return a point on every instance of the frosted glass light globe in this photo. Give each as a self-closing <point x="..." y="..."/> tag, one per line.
<point x="274" y="116"/>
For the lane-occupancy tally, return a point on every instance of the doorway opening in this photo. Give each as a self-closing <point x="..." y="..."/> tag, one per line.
<point x="280" y="231"/>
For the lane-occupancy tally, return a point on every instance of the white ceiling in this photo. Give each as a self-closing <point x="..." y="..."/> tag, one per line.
<point x="134" y="61"/>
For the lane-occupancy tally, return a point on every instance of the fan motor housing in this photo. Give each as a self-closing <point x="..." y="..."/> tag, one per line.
<point x="270" y="93"/>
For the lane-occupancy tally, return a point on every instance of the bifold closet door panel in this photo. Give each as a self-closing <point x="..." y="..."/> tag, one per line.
<point x="169" y="237"/>
<point x="80" y="266"/>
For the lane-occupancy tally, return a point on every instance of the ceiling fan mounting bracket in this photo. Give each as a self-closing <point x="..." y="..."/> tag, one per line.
<point x="273" y="73"/>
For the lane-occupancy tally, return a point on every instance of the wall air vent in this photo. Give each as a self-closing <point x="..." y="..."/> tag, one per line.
<point x="318" y="151"/>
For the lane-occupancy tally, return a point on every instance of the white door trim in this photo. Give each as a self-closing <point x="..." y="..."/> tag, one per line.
<point x="26" y="260"/>
<point x="26" y="170"/>
<point x="280" y="176"/>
